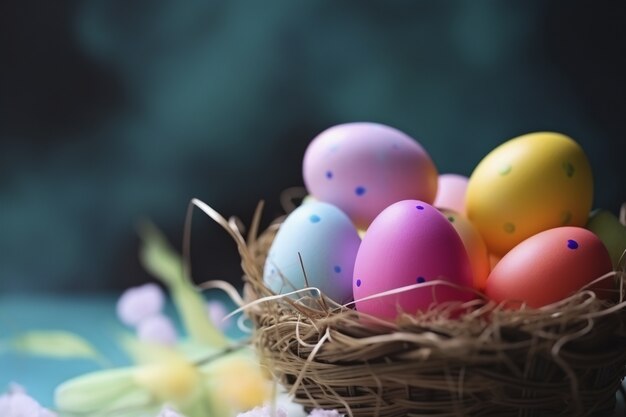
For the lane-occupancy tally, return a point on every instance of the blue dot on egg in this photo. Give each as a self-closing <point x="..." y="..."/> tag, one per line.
<point x="419" y="207"/>
<point x="358" y="282"/>
<point x="572" y="244"/>
<point x="329" y="174"/>
<point x="359" y="190"/>
<point x="337" y="269"/>
<point x="420" y="280"/>
<point x="314" y="218"/>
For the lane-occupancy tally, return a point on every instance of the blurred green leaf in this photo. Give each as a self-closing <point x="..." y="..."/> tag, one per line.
<point x="98" y="393"/>
<point x="160" y="259"/>
<point x="55" y="344"/>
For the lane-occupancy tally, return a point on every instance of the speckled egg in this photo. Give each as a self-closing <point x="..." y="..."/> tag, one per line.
<point x="549" y="267"/>
<point x="364" y="167"/>
<point x="326" y="240"/>
<point x="451" y="190"/>
<point x="410" y="242"/>
<point x="529" y="184"/>
<point x="474" y="245"/>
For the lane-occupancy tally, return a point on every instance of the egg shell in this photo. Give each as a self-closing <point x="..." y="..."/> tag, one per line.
<point x="409" y="242"/>
<point x="364" y="167"/>
<point x="611" y="232"/>
<point x="308" y="199"/>
<point x="474" y="245"/>
<point x="550" y="266"/>
<point x="529" y="184"/>
<point x="493" y="260"/>
<point x="328" y="243"/>
<point x="451" y="190"/>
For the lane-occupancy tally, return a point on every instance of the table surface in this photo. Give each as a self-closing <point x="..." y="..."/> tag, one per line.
<point x="91" y="316"/>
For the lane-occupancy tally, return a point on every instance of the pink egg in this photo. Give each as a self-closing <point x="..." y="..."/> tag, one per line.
<point x="451" y="191"/>
<point x="550" y="266"/>
<point x="410" y="242"/>
<point x="364" y="167"/>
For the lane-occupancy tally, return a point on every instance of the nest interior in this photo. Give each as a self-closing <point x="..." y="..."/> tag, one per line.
<point x="565" y="359"/>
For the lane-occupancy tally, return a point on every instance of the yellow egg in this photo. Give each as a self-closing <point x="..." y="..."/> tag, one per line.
<point x="474" y="246"/>
<point x="529" y="184"/>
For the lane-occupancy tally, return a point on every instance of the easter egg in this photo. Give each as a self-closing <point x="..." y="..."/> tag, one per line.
<point x="474" y="245"/>
<point x="550" y="266"/>
<point x="610" y="231"/>
<point x="526" y="185"/>
<point x="493" y="260"/>
<point x="451" y="189"/>
<point x="409" y="242"/>
<point x="364" y="167"/>
<point x="327" y="242"/>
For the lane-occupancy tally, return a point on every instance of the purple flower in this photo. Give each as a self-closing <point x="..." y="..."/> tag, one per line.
<point x="217" y="311"/>
<point x="139" y="303"/>
<point x="157" y="329"/>
<point x="16" y="403"/>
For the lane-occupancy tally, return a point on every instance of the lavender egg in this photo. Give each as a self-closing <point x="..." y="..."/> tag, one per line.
<point x="327" y="242"/>
<point x="364" y="167"/>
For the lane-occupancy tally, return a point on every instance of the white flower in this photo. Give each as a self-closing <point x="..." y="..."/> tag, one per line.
<point x="325" y="413"/>
<point x="139" y="303"/>
<point x="168" y="412"/>
<point x="16" y="403"/>
<point x="266" y="411"/>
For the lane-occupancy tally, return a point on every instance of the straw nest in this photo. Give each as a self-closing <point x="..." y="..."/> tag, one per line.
<point x="566" y="359"/>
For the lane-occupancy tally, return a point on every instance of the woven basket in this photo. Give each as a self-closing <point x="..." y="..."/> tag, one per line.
<point x="566" y="359"/>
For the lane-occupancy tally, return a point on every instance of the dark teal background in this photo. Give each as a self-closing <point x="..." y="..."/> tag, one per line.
<point x="112" y="111"/>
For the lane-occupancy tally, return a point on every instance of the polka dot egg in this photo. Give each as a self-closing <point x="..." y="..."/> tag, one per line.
<point x="364" y="167"/>
<point x="549" y="267"/>
<point x="319" y="240"/>
<point x="410" y="242"/>
<point x="527" y="185"/>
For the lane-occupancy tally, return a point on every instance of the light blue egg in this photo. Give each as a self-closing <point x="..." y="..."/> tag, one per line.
<point x="326" y="240"/>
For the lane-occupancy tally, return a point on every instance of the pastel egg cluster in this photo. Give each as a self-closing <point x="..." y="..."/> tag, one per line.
<point x="512" y="230"/>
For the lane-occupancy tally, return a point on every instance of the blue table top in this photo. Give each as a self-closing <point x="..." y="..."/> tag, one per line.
<point x="91" y="316"/>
